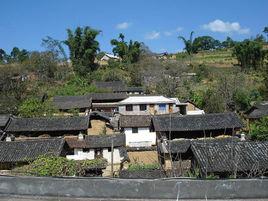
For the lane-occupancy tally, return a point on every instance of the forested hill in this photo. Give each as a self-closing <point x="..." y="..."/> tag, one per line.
<point x="217" y="75"/>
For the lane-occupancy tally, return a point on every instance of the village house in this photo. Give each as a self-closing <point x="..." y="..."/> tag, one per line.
<point x="21" y="152"/>
<point x="97" y="146"/>
<point x="107" y="57"/>
<point x="236" y="158"/>
<point x="118" y="87"/>
<point x="137" y="129"/>
<point x="101" y="124"/>
<point x="196" y="126"/>
<point x="106" y="102"/>
<point x="67" y="103"/>
<point x="4" y="118"/>
<point x="48" y="126"/>
<point x="147" y="105"/>
<point x="257" y="111"/>
<point x="193" y="109"/>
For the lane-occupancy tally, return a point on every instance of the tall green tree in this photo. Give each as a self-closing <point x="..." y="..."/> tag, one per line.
<point x="204" y="43"/>
<point x="265" y="30"/>
<point x="188" y="43"/>
<point x="18" y="55"/>
<point x="55" y="46"/>
<point x="250" y="54"/>
<point x="2" y="55"/>
<point x="128" y="52"/>
<point x="228" y="43"/>
<point x="83" y="48"/>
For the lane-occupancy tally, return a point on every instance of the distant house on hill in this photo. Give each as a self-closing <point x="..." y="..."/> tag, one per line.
<point x="92" y="147"/>
<point x="48" y="126"/>
<point x="15" y="153"/>
<point x="65" y="103"/>
<point x="147" y="105"/>
<point x="137" y="129"/>
<point x="196" y="126"/>
<point x="118" y="87"/>
<point x="106" y="57"/>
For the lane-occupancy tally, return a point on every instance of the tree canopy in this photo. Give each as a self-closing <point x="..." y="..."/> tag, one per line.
<point x="128" y="52"/>
<point x="83" y="48"/>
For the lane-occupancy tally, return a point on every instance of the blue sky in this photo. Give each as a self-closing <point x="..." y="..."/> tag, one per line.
<point x="23" y="23"/>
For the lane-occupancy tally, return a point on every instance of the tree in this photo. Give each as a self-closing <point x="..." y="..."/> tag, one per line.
<point x="128" y="52"/>
<point x="204" y="43"/>
<point x="188" y="43"/>
<point x="55" y="46"/>
<point x="259" y="129"/>
<point x="45" y="63"/>
<point x="249" y="54"/>
<point x="83" y="48"/>
<point x="18" y="55"/>
<point x="265" y="30"/>
<point x="228" y="43"/>
<point x="2" y="56"/>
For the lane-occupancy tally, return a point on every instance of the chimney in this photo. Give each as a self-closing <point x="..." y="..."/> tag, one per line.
<point x="80" y="136"/>
<point x="243" y="137"/>
<point x="10" y="138"/>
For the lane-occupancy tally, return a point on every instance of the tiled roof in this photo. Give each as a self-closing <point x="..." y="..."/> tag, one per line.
<point x="134" y="121"/>
<point x="28" y="150"/>
<point x="72" y="102"/>
<point x="196" y="122"/>
<point x="48" y="124"/>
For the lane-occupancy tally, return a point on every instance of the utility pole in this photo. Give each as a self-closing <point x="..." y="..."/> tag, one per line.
<point x="112" y="158"/>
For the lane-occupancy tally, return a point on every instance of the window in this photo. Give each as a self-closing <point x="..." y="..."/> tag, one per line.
<point x="162" y="107"/>
<point x="134" y="130"/>
<point x="129" y="107"/>
<point x="85" y="150"/>
<point x="143" y="107"/>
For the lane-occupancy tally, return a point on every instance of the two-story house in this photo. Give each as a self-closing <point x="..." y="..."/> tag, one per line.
<point x="147" y="105"/>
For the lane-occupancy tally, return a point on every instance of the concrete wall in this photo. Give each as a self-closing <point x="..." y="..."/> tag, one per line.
<point x="134" y="188"/>
<point x="141" y="139"/>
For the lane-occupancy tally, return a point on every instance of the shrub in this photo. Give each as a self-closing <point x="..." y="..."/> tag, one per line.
<point x="61" y="166"/>
<point x="34" y="107"/>
<point x="259" y="129"/>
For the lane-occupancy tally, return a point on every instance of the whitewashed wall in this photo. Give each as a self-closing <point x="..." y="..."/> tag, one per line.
<point x="143" y="138"/>
<point x="136" y="110"/>
<point x="79" y="154"/>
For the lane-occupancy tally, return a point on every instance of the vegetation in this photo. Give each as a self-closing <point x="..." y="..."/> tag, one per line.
<point x="259" y="129"/>
<point x="83" y="48"/>
<point x="128" y="52"/>
<point x="60" y="166"/>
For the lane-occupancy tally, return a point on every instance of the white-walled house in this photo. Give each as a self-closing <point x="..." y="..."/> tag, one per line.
<point x="96" y="146"/>
<point x="137" y="129"/>
<point x="147" y="105"/>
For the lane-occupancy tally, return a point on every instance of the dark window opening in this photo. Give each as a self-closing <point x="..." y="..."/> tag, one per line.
<point x="129" y="107"/>
<point x="134" y="130"/>
<point x="143" y="107"/>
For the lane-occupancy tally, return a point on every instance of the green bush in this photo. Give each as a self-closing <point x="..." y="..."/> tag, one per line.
<point x="259" y="129"/>
<point x="61" y="166"/>
<point x="34" y="107"/>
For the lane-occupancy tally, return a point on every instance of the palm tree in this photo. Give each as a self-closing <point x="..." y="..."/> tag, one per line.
<point x="188" y="44"/>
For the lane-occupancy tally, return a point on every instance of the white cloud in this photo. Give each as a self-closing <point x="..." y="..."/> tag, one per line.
<point x="168" y="33"/>
<point x="123" y="25"/>
<point x="179" y="29"/>
<point x="152" y="35"/>
<point x="225" y="27"/>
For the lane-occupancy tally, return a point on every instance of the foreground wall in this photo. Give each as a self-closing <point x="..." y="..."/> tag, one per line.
<point x="135" y="188"/>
